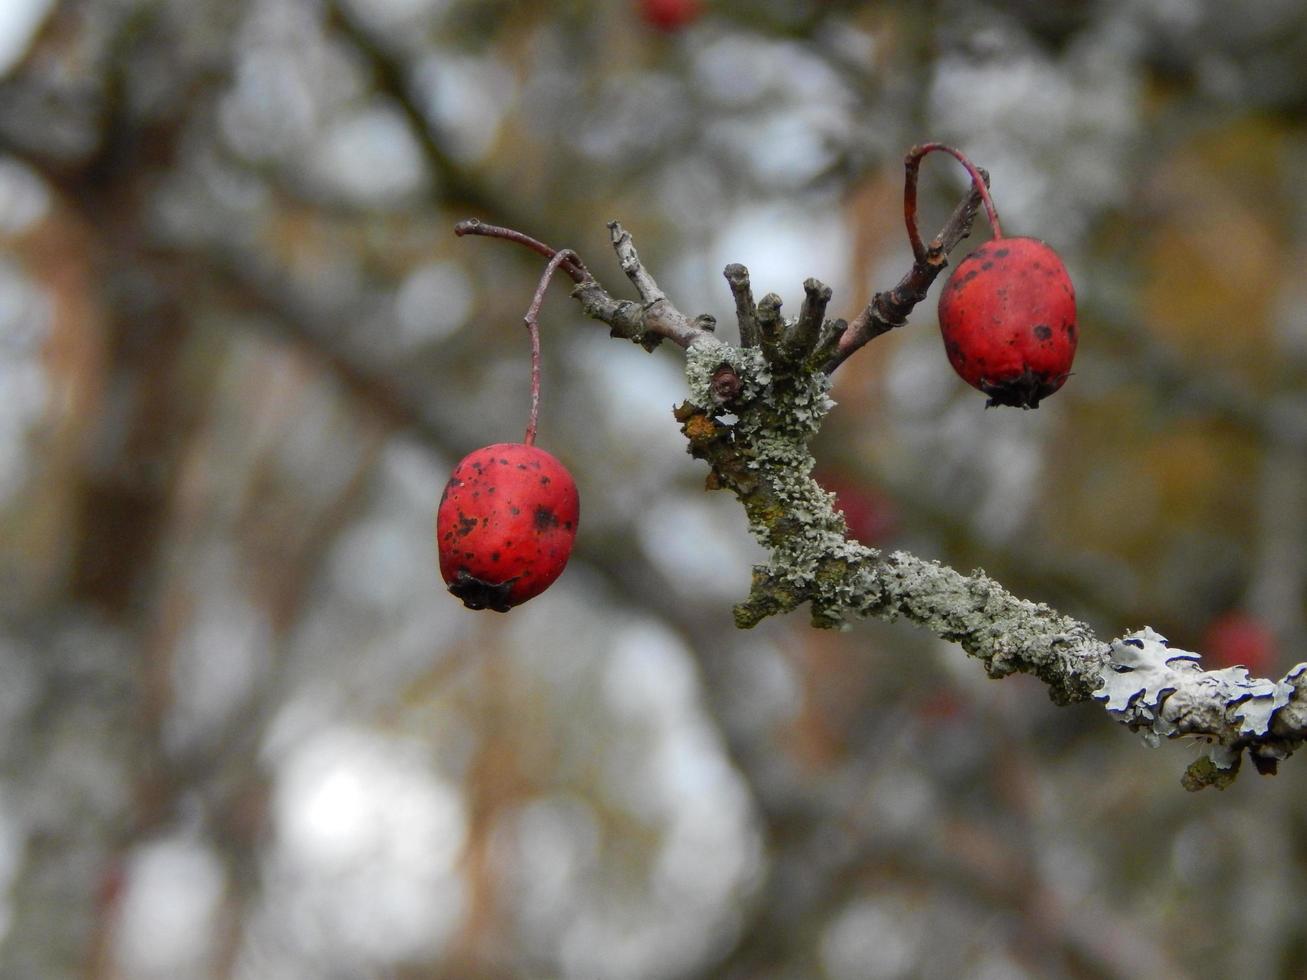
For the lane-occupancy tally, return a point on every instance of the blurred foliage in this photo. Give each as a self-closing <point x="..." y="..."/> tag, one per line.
<point x="245" y="733"/>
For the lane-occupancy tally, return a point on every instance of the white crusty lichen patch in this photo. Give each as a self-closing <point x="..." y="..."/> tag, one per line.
<point x="1162" y="692"/>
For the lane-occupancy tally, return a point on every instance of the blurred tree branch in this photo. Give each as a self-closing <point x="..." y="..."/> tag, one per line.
<point x="455" y="186"/>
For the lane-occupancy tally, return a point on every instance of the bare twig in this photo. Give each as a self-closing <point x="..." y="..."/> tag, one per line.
<point x="803" y="335"/>
<point x="655" y="319"/>
<point x="746" y="313"/>
<point x="891" y="308"/>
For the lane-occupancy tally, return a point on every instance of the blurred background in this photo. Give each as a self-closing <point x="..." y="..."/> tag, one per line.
<point x="244" y="732"/>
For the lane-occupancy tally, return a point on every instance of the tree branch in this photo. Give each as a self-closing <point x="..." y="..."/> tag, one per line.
<point x="390" y="75"/>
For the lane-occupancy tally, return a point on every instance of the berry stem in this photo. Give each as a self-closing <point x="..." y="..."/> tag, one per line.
<point x="574" y="267"/>
<point x="912" y="163"/>
<point x="532" y="320"/>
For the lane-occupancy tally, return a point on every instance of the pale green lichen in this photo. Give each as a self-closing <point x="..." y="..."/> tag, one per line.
<point x="778" y="409"/>
<point x="777" y="413"/>
<point x="707" y="355"/>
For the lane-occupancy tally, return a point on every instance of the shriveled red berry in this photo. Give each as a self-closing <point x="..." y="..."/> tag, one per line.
<point x="505" y="526"/>
<point x="669" y="15"/>
<point x="1008" y="316"/>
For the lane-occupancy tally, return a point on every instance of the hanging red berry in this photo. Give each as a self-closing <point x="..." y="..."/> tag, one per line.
<point x="1008" y="311"/>
<point x="505" y="526"/>
<point x="1008" y="318"/>
<point x="508" y="516"/>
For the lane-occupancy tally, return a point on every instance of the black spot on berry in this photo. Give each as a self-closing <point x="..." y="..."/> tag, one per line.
<point x="494" y="556"/>
<point x="514" y="511"/>
<point x="987" y="265"/>
<point x="466" y="525"/>
<point x="504" y="461"/>
<point x="544" y="481"/>
<point x="971" y="274"/>
<point x="1043" y="331"/>
<point x="521" y="466"/>
<point x="545" y="519"/>
<point x="1002" y="253"/>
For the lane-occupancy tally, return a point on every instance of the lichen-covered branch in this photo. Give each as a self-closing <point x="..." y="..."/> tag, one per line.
<point x="762" y="458"/>
<point x="752" y="411"/>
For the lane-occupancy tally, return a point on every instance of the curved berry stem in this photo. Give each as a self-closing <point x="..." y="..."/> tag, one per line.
<point x="912" y="163"/>
<point x="532" y="320"/>
<point x="574" y="267"/>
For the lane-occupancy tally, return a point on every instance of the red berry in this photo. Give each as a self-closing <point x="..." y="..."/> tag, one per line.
<point x="669" y="15"/>
<point x="1008" y="316"/>
<point x="505" y="525"/>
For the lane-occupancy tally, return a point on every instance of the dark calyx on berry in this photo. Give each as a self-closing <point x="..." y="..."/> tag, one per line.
<point x="1023" y="391"/>
<point x="477" y="594"/>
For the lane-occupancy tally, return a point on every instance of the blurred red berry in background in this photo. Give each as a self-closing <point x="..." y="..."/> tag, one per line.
<point x="669" y="15"/>
<point x="872" y="516"/>
<point x="1239" y="638"/>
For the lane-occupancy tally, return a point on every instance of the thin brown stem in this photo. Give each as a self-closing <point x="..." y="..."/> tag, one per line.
<point x="532" y="320"/>
<point x="912" y="164"/>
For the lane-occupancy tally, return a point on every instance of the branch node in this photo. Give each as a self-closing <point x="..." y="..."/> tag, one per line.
<point x="725" y="384"/>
